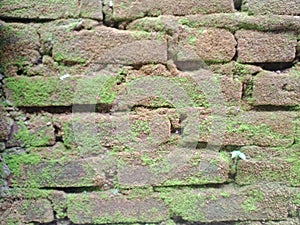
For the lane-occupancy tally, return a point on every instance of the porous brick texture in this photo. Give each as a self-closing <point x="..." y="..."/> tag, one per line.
<point x="149" y="112"/>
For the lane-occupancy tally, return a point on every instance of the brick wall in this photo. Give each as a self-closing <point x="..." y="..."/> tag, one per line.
<point x="129" y="112"/>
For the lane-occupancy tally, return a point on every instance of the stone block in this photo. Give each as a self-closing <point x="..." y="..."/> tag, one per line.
<point x="276" y="89"/>
<point x="36" y="131"/>
<point x="252" y="128"/>
<point x="16" y="36"/>
<point x="207" y="44"/>
<point x="91" y="9"/>
<point x="176" y="167"/>
<point x="131" y="10"/>
<point x="39" y="9"/>
<point x="65" y="90"/>
<point x="258" y="47"/>
<point x="30" y="170"/>
<point x="281" y="7"/>
<point x="91" y="133"/>
<point x="28" y="211"/>
<point x="266" y="201"/>
<point x="5" y="127"/>
<point x="97" y="208"/>
<point x="73" y="43"/>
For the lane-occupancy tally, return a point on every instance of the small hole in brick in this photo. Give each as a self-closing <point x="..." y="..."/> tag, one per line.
<point x="238" y="4"/>
<point x="20" y="72"/>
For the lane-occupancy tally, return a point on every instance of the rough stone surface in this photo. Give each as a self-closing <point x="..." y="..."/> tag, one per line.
<point x="16" y="36"/>
<point x="261" y="202"/>
<point x="281" y="7"/>
<point x="114" y="209"/>
<point x="91" y="9"/>
<point x="4" y="127"/>
<point x="40" y="9"/>
<point x="60" y="173"/>
<point x="253" y="128"/>
<point x="210" y="45"/>
<point x="276" y="89"/>
<point x="258" y="47"/>
<point x="178" y="167"/>
<point x="229" y="21"/>
<point x="28" y="211"/>
<point x="71" y="43"/>
<point x="130" y="10"/>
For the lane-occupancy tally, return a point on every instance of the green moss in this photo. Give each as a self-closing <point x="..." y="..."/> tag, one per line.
<point x="250" y="203"/>
<point x="15" y="161"/>
<point x="35" y="138"/>
<point x="184" y="203"/>
<point x="191" y="40"/>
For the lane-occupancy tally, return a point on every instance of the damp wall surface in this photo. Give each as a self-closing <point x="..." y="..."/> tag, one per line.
<point x="143" y="111"/>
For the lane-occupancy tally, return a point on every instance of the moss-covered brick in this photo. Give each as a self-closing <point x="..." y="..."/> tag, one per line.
<point x="131" y="10"/>
<point x="209" y="44"/>
<point x="49" y="9"/>
<point x="27" y="211"/>
<point x="256" y="202"/>
<point x="16" y="36"/>
<point x="31" y="171"/>
<point x="36" y="132"/>
<point x="177" y="167"/>
<point x="56" y="91"/>
<point x="94" y="208"/>
<point x="253" y="128"/>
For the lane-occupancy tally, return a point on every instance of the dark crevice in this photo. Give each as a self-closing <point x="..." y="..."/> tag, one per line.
<point x="212" y="185"/>
<point x="275" y="67"/>
<point x="270" y="108"/>
<point x="238" y="4"/>
<point x="25" y="20"/>
<point x="71" y="190"/>
<point x="99" y="108"/>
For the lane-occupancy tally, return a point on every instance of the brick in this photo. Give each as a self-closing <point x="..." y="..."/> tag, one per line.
<point x="269" y="165"/>
<point x="229" y="21"/>
<point x="16" y="36"/>
<point x="209" y="44"/>
<point x="39" y="9"/>
<point x="90" y="133"/>
<point x="30" y="170"/>
<point x="131" y="10"/>
<point x="27" y="211"/>
<point x="177" y="167"/>
<point x="258" y="47"/>
<point x="56" y="91"/>
<point x="274" y="7"/>
<point x="91" y="9"/>
<point x="5" y="127"/>
<point x="266" y="201"/>
<point x="252" y="128"/>
<point x="36" y="131"/>
<point x="97" y="208"/>
<point x="276" y="89"/>
<point x="73" y="43"/>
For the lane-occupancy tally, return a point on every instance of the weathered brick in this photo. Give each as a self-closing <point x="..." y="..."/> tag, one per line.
<point x="258" y="47"/>
<point x="16" y="36"/>
<point x="266" y="201"/>
<point x="39" y="9"/>
<point x="207" y="44"/>
<point x="276" y="89"/>
<point x="130" y="10"/>
<point x="28" y="211"/>
<point x="73" y="43"/>
<point x="30" y="170"/>
<point x="90" y="133"/>
<point x="36" y="131"/>
<point x="97" y="208"/>
<point x="269" y="165"/>
<point x="281" y="7"/>
<point x="5" y="127"/>
<point x="229" y="21"/>
<point x="59" y="91"/>
<point x="252" y="128"/>
<point x="91" y="9"/>
<point x="177" y="167"/>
